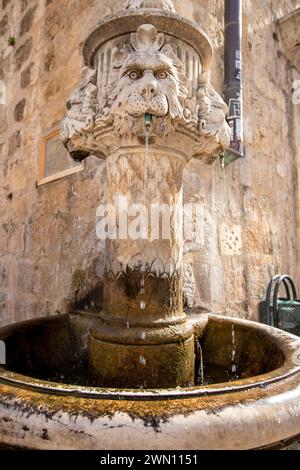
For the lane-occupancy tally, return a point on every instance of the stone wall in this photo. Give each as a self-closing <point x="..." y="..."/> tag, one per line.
<point x="49" y="254"/>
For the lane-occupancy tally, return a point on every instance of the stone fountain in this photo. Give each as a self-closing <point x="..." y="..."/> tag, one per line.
<point x="145" y="104"/>
<point x="157" y="67"/>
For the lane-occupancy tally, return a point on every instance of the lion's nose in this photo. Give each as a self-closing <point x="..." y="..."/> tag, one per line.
<point x="148" y="90"/>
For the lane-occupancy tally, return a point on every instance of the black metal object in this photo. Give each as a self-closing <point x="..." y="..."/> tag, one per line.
<point x="266" y="313"/>
<point x="233" y="78"/>
<point x="283" y="313"/>
<point x="286" y="312"/>
<point x="275" y="282"/>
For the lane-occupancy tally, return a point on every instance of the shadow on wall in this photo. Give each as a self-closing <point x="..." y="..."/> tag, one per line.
<point x="87" y="292"/>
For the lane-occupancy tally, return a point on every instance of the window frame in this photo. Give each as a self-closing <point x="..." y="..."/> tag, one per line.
<point x="42" y="178"/>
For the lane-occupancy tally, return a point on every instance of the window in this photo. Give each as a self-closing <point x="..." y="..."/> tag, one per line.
<point x="54" y="159"/>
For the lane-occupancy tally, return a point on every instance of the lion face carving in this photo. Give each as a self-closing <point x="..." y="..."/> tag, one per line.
<point x="150" y="85"/>
<point x="148" y="80"/>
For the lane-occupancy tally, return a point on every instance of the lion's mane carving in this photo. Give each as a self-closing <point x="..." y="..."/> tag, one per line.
<point x="82" y="108"/>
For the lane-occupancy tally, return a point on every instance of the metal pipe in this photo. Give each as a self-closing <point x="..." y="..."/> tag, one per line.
<point x="233" y="78"/>
<point x="148" y="119"/>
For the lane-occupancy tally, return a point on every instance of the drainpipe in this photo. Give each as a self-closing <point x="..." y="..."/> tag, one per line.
<point x="233" y="78"/>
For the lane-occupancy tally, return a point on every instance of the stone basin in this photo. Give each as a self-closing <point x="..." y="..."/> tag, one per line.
<point x="46" y="402"/>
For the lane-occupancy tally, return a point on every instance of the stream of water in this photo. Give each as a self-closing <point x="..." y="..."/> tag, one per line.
<point x="143" y="257"/>
<point x="233" y="372"/>
<point x="199" y="365"/>
<point x="145" y="197"/>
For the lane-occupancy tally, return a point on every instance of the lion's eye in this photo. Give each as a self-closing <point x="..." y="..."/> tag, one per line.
<point x="162" y="75"/>
<point x="134" y="75"/>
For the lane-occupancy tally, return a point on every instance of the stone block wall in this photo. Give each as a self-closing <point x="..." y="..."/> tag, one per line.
<point x="50" y="257"/>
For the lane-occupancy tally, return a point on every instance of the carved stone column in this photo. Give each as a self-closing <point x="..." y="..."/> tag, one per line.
<point x="145" y="339"/>
<point x="156" y="72"/>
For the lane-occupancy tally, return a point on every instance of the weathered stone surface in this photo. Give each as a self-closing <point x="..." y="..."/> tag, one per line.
<point x="55" y="19"/>
<point x="23" y="53"/>
<point x="49" y="63"/>
<point x="14" y="142"/>
<point x="24" y="4"/>
<point x="19" y="110"/>
<point x="27" y="21"/>
<point x="52" y="89"/>
<point x="4" y="25"/>
<point x="5" y="3"/>
<point x="26" y="76"/>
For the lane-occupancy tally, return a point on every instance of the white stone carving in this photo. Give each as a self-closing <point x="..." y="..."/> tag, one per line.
<point x="82" y="108"/>
<point x="149" y="80"/>
<point x="231" y="240"/>
<point x="147" y="76"/>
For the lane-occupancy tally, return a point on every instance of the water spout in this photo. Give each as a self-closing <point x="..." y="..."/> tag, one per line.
<point x="148" y="120"/>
